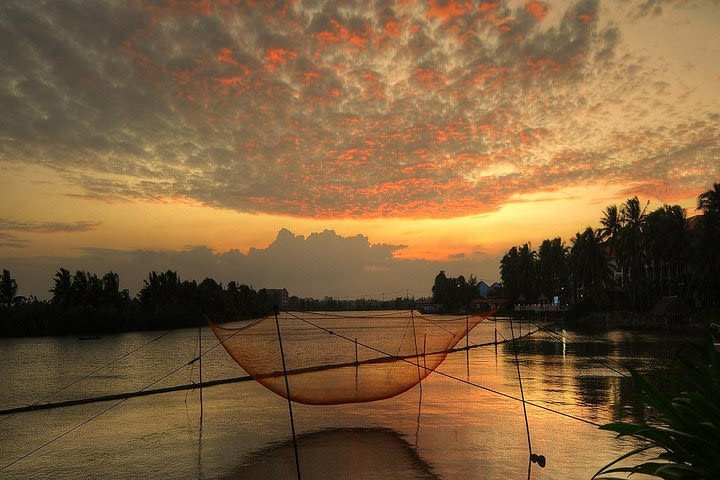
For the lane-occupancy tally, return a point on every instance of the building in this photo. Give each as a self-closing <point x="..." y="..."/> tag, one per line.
<point x="278" y="296"/>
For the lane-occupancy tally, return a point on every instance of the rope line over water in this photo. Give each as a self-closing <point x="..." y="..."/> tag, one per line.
<point x="564" y="338"/>
<point x="212" y="383"/>
<point x="84" y="377"/>
<point x="146" y="390"/>
<point x="452" y="377"/>
<point x="85" y="422"/>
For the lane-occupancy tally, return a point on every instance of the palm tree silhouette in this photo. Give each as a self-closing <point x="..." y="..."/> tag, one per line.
<point x="611" y="225"/>
<point x="709" y="202"/>
<point x="8" y="288"/>
<point x="552" y="267"/>
<point x="587" y="261"/>
<point x="666" y="245"/>
<point x="63" y="285"/>
<point x="631" y="248"/>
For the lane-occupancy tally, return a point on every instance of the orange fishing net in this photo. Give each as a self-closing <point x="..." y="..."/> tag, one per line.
<point x="334" y="358"/>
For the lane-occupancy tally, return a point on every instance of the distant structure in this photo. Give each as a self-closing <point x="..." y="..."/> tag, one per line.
<point x="490" y="296"/>
<point x="483" y="289"/>
<point x="278" y="296"/>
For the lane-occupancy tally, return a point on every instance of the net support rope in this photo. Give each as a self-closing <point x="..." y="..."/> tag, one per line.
<point x="461" y="380"/>
<point x="144" y="390"/>
<point x="287" y="389"/>
<point x="11" y="412"/>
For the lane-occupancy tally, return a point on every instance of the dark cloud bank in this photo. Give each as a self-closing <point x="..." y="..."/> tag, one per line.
<point x="319" y="265"/>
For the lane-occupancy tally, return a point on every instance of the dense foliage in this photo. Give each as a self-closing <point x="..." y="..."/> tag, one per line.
<point x="686" y="437"/>
<point x="84" y="303"/>
<point x="632" y="260"/>
<point x="453" y="293"/>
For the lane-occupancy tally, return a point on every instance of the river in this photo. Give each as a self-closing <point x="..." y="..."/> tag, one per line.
<point x="455" y="430"/>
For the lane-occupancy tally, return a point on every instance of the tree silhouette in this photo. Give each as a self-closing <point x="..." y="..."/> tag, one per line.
<point x="631" y="247"/>
<point x="454" y="293"/>
<point x="8" y="288"/>
<point x="666" y="245"/>
<point x="160" y="289"/>
<point x="588" y="263"/>
<point x="552" y="267"/>
<point x="709" y="202"/>
<point x="705" y="263"/>
<point x="611" y="225"/>
<point x="62" y="289"/>
<point x="518" y="270"/>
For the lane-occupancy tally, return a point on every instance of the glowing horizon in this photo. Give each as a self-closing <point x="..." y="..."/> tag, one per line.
<point x="444" y="131"/>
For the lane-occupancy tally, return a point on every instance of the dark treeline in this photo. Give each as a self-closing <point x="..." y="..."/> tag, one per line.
<point x="454" y="293"/>
<point x="630" y="261"/>
<point x="360" y="304"/>
<point x="84" y="303"/>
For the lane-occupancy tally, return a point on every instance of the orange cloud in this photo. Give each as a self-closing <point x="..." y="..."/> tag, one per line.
<point x="488" y="6"/>
<point x="341" y="34"/>
<point x="225" y="55"/>
<point x="446" y="10"/>
<point x="392" y="28"/>
<point x="275" y="56"/>
<point x="537" y="9"/>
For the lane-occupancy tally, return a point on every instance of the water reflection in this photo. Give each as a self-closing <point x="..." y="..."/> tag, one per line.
<point x="463" y="432"/>
<point x="595" y="368"/>
<point x="556" y="347"/>
<point x="357" y="453"/>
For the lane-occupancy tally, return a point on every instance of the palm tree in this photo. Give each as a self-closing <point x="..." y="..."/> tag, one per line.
<point x="509" y="273"/>
<point x="63" y="286"/>
<point x="588" y="263"/>
<point x="666" y="244"/>
<point x="111" y="284"/>
<point x="630" y="245"/>
<point x="611" y="225"/>
<point x="160" y="289"/>
<point x="527" y="270"/>
<point x="552" y="267"/>
<point x="518" y="271"/>
<point x="709" y="202"/>
<point x="706" y="255"/>
<point x="79" y="289"/>
<point x="8" y="288"/>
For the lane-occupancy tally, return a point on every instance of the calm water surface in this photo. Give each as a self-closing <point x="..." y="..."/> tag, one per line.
<point x="455" y="431"/>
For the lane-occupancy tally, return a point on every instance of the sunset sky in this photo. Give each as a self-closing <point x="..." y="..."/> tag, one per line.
<point x="340" y="148"/>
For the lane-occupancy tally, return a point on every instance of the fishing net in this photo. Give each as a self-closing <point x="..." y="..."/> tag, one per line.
<point x="334" y="358"/>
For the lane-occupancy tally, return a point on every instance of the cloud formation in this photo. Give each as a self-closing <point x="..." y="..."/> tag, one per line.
<point x="47" y="227"/>
<point x="320" y="264"/>
<point x="344" y="109"/>
<point x="10" y="228"/>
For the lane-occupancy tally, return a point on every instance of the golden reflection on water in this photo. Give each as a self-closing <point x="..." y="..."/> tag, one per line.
<point x="461" y="431"/>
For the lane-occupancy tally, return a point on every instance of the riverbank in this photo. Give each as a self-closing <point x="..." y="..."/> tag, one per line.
<point x="648" y="321"/>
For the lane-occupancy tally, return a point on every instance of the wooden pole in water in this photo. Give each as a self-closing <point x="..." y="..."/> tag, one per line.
<point x="356" y="354"/>
<point x="522" y="396"/>
<point x="495" y="318"/>
<point x="467" y="344"/>
<point x="417" y="353"/>
<point x="287" y="390"/>
<point x="520" y="324"/>
<point x="467" y="332"/>
<point x="424" y="351"/>
<point x="200" y="362"/>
